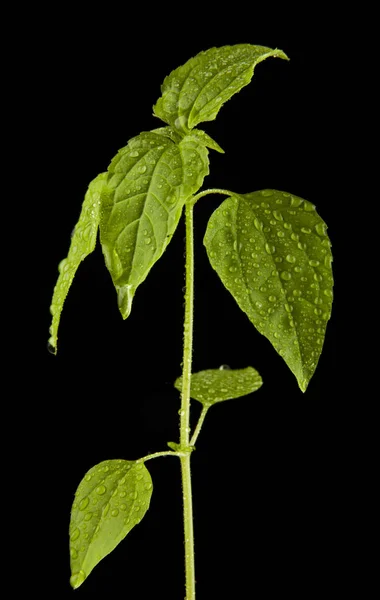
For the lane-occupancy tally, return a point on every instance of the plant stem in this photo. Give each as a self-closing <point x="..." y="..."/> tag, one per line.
<point x="157" y="454"/>
<point x="185" y="406"/>
<point x="199" y="425"/>
<point x="211" y="191"/>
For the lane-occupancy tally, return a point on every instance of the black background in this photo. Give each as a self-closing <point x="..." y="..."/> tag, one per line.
<point x="269" y="469"/>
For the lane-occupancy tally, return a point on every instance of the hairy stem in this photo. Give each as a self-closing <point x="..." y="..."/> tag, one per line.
<point x="210" y="191"/>
<point x="157" y="454"/>
<point x="199" y="425"/>
<point x="185" y="406"/>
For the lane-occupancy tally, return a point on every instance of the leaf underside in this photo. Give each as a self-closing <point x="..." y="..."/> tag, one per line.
<point x="271" y="251"/>
<point x="196" y="91"/>
<point x="148" y="184"/>
<point x="83" y="242"/>
<point x="217" y="385"/>
<point x="111" y="499"/>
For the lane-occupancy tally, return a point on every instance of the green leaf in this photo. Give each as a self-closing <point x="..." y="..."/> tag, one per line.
<point x="196" y="91"/>
<point x="111" y="499"/>
<point x="148" y="184"/>
<point x="271" y="251"/>
<point x="217" y="385"/>
<point x="83" y="242"/>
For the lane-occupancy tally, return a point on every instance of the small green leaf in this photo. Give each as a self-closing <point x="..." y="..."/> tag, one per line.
<point x="83" y="242"/>
<point x="111" y="499"/>
<point x="196" y="91"/>
<point x="148" y="184"/>
<point x="217" y="385"/>
<point x="271" y="251"/>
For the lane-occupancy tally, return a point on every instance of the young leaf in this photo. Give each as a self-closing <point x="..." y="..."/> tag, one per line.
<point x="216" y="385"/>
<point x="196" y="91"/>
<point x="271" y="251"/>
<point x="111" y="499"/>
<point x="82" y="244"/>
<point x="148" y="183"/>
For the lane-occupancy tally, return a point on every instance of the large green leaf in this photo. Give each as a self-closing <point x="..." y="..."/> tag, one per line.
<point x="272" y="253"/>
<point x="83" y="242"/>
<point x="217" y="385"/>
<point x="148" y="183"/>
<point x="196" y="91"/>
<point x="111" y="499"/>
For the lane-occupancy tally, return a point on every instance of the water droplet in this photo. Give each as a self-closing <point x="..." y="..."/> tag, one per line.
<point x="295" y="237"/>
<point x="314" y="263"/>
<point x="224" y="368"/>
<point x="258" y="224"/>
<point x="84" y="503"/>
<point x="328" y="293"/>
<point x="267" y="193"/>
<point x="88" y="516"/>
<point x="276" y="335"/>
<point x="290" y="258"/>
<point x="320" y="228"/>
<point x="232" y="269"/>
<point x="305" y="230"/>
<point x="308" y="206"/>
<point x="134" y="153"/>
<point x="77" y="579"/>
<point x="287" y="225"/>
<point x="294" y="201"/>
<point x="75" y="535"/>
<point x="288" y="307"/>
<point x="328" y="261"/>
<point x="62" y="264"/>
<point x="280" y="234"/>
<point x="51" y="347"/>
<point x="259" y="304"/>
<point x="88" y="476"/>
<point x="101" y="489"/>
<point x="148" y="486"/>
<point x="73" y="553"/>
<point x="148" y="240"/>
<point x="297" y="269"/>
<point x="115" y="512"/>
<point x="269" y="248"/>
<point x="286" y="276"/>
<point x="142" y="169"/>
<point x="297" y="293"/>
<point x="277" y="215"/>
<point x="272" y="298"/>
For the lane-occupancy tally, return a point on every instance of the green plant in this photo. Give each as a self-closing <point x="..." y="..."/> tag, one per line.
<point x="269" y="248"/>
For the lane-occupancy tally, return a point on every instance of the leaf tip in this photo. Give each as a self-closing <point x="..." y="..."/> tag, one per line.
<point x="124" y="300"/>
<point x="52" y="345"/>
<point x="77" y="579"/>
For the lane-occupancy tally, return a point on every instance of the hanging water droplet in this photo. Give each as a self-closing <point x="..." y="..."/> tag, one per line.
<point x="224" y="368"/>
<point x="51" y="347"/>
<point x="286" y="276"/>
<point x="77" y="579"/>
<point x="101" y="489"/>
<point x="290" y="258"/>
<point x="327" y="261"/>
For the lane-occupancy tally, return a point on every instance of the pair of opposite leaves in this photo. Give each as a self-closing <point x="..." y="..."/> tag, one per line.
<point x="269" y="248"/>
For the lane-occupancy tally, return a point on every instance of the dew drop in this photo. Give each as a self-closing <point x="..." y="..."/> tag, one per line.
<point x="308" y="206"/>
<point x="51" y="347"/>
<point x="320" y="228"/>
<point x="286" y="276"/>
<point x="115" y="512"/>
<point x="277" y="215"/>
<point x="305" y="230"/>
<point x="269" y="249"/>
<point x="142" y="169"/>
<point x="314" y="263"/>
<point x="88" y="476"/>
<point x="297" y="269"/>
<point x="294" y="201"/>
<point x="280" y="234"/>
<point x="75" y="535"/>
<point x="84" y="503"/>
<point x="290" y="258"/>
<point x="88" y="516"/>
<point x="258" y="224"/>
<point x="295" y="237"/>
<point x="224" y="368"/>
<point x="101" y="489"/>
<point x="148" y="240"/>
<point x="73" y="553"/>
<point x="134" y="153"/>
<point x="272" y="298"/>
<point x="267" y="193"/>
<point x="328" y="293"/>
<point x="62" y="264"/>
<point x="232" y="269"/>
